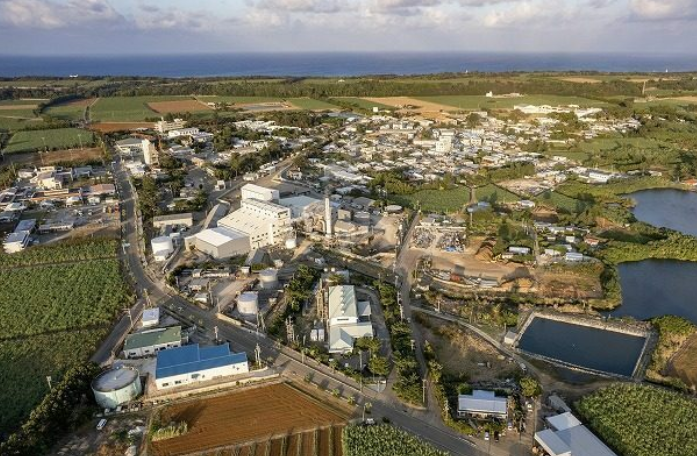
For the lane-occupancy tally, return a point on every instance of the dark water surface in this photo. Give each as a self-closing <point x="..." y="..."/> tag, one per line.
<point x="667" y="208"/>
<point x="592" y="348"/>
<point x="336" y="63"/>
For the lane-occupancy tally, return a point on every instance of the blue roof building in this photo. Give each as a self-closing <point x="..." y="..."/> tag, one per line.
<point x="191" y="363"/>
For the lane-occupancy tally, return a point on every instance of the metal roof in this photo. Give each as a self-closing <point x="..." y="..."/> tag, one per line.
<point x="563" y="421"/>
<point x="153" y="337"/>
<point x="483" y="402"/>
<point x="571" y="438"/>
<point x="342" y="302"/>
<point x="192" y="358"/>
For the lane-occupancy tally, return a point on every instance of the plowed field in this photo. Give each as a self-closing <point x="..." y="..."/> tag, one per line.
<point x="257" y="415"/>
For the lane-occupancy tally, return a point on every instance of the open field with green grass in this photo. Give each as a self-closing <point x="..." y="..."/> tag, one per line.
<point x="436" y="200"/>
<point x="365" y="104"/>
<point x="55" y="139"/>
<point x="56" y="304"/>
<point x="15" y="124"/>
<point x="311" y="104"/>
<point x="127" y="109"/>
<point x="236" y="100"/>
<point x="67" y="112"/>
<point x="476" y="102"/>
<point x="493" y="193"/>
<point x="559" y="201"/>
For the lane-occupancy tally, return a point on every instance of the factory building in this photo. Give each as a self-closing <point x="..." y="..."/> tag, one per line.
<point x="257" y="192"/>
<point x="566" y="436"/>
<point x="150" y="342"/>
<point x="191" y="364"/>
<point x="348" y="319"/>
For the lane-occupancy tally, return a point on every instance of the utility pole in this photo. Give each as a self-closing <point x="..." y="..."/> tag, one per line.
<point x="424" y="390"/>
<point x="130" y="317"/>
<point x="216" y="333"/>
<point x="257" y="353"/>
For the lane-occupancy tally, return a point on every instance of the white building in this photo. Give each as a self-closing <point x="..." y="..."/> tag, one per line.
<point x="175" y="133"/>
<point x="566" y="436"/>
<point x="163" y="126"/>
<point x="16" y="242"/>
<point x="252" y="191"/>
<point x="348" y="319"/>
<point x="191" y="364"/>
<point x="265" y="223"/>
<point x="220" y="243"/>
<point x="150" y="153"/>
<point x="150" y="318"/>
<point x="482" y="404"/>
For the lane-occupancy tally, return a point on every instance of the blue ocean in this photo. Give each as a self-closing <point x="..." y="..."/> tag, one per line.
<point x="335" y="64"/>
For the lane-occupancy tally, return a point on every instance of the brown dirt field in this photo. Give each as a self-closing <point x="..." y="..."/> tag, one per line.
<point x="581" y="80"/>
<point x="164" y="107"/>
<point x="56" y="156"/>
<point x="423" y="106"/>
<point x="561" y="285"/>
<point x="691" y="99"/>
<point x="237" y="417"/>
<point x="13" y="107"/>
<point x="684" y="363"/>
<point x="111" y="127"/>
<point x="461" y="353"/>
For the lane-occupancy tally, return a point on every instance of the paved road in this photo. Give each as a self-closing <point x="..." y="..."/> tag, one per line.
<point x="288" y="362"/>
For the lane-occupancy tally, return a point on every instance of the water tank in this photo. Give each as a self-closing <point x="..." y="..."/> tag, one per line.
<point x="248" y="304"/>
<point x="268" y="278"/>
<point x="291" y="243"/>
<point x="162" y="247"/>
<point x="117" y="386"/>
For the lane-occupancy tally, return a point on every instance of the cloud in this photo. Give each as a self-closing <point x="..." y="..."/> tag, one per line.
<point x="663" y="10"/>
<point x="532" y="14"/>
<point x="46" y="14"/>
<point x="304" y="6"/>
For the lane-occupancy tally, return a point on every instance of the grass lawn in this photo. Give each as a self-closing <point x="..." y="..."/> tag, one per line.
<point x="437" y="200"/>
<point x="475" y="102"/>
<point x="66" y="112"/>
<point x="14" y="124"/>
<point x="498" y="194"/>
<point x="126" y="109"/>
<point x="311" y="104"/>
<point x="59" y="138"/>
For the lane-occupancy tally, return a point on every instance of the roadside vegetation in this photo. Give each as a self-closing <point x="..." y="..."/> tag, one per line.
<point x="641" y="420"/>
<point x="673" y="332"/>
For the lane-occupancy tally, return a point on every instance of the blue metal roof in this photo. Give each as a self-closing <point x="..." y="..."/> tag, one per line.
<point x="192" y="358"/>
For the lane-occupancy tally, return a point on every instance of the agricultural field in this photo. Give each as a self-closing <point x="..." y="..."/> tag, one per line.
<point x="126" y="109"/>
<point x="419" y="104"/>
<point x="366" y="104"/>
<point x="384" y="440"/>
<point x="642" y="420"/>
<point x="66" y="156"/>
<point x="437" y="200"/>
<point x="58" y="138"/>
<point x="56" y="305"/>
<point x="494" y="193"/>
<point x="26" y="363"/>
<point x="111" y="127"/>
<point x="18" y="114"/>
<point x="232" y="100"/>
<point x="236" y="418"/>
<point x="326" y="441"/>
<point x="178" y="106"/>
<point x="311" y="104"/>
<point x="70" y="110"/>
<point x="477" y="102"/>
<point x="559" y="201"/>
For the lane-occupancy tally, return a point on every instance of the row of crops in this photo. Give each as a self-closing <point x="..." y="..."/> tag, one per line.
<point x="384" y="440"/>
<point x="641" y="420"/>
<point x="56" y="304"/>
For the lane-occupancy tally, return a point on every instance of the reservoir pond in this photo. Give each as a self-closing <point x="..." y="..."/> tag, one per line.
<point x="667" y="208"/>
<point x="583" y="346"/>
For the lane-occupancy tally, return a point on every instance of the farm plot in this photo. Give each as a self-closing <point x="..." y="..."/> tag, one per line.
<point x="126" y="109"/>
<point x="67" y="156"/>
<point x="437" y="200"/>
<point x="58" y="138"/>
<point x="70" y="110"/>
<point x="363" y="103"/>
<point x="495" y="194"/>
<point x="237" y="418"/>
<point x="477" y="102"/>
<point x="407" y="104"/>
<point x="311" y="104"/>
<point x="319" y="442"/>
<point x="384" y="440"/>
<point x="177" y="106"/>
<point x="111" y="127"/>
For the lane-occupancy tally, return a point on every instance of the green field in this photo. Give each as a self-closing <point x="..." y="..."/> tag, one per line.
<point x="384" y="440"/>
<point x="126" y="109"/>
<point x="560" y="202"/>
<point x="476" y="102"/>
<point x="366" y="104"/>
<point x="311" y="104"/>
<point x="55" y="139"/>
<point x="66" y="112"/>
<point x="437" y="200"/>
<point x="494" y="192"/>
<point x="236" y="100"/>
<point x="642" y="420"/>
<point x="56" y="304"/>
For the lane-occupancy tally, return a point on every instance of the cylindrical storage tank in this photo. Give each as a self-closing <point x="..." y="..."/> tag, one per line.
<point x="291" y="243"/>
<point x="248" y="303"/>
<point x="268" y="279"/>
<point x="117" y="386"/>
<point x="162" y="246"/>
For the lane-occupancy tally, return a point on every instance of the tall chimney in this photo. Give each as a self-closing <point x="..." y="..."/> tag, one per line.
<point x="327" y="218"/>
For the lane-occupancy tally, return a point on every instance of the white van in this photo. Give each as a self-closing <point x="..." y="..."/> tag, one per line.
<point x="101" y="424"/>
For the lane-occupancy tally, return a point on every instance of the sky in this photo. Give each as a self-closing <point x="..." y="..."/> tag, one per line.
<point x="108" y="27"/>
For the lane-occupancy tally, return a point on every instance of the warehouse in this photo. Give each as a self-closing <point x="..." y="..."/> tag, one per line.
<point x="263" y="222"/>
<point x="566" y="436"/>
<point x="161" y="221"/>
<point x="348" y="319"/>
<point x="191" y="363"/>
<point x="150" y="342"/>
<point x="220" y="243"/>
<point x="482" y="404"/>
<point x="252" y="191"/>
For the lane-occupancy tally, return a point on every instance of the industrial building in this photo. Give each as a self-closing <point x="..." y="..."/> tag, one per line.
<point x="191" y="363"/>
<point x="482" y="404"/>
<point x="162" y="248"/>
<point x="220" y="243"/>
<point x="348" y="319"/>
<point x="117" y="386"/>
<point x="164" y="126"/>
<point x="252" y="191"/>
<point x="566" y="436"/>
<point x="162" y="221"/>
<point x="152" y="341"/>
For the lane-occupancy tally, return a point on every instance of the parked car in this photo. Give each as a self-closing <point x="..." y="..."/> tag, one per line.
<point x="486" y="436"/>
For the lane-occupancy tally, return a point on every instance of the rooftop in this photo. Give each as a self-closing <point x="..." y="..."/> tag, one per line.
<point x="114" y="379"/>
<point x="571" y="439"/>
<point x="153" y="337"/>
<point x="219" y="236"/>
<point x="482" y="401"/>
<point x="342" y="302"/>
<point x="192" y="358"/>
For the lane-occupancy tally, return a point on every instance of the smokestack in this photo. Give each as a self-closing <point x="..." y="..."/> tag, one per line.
<point x="327" y="218"/>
